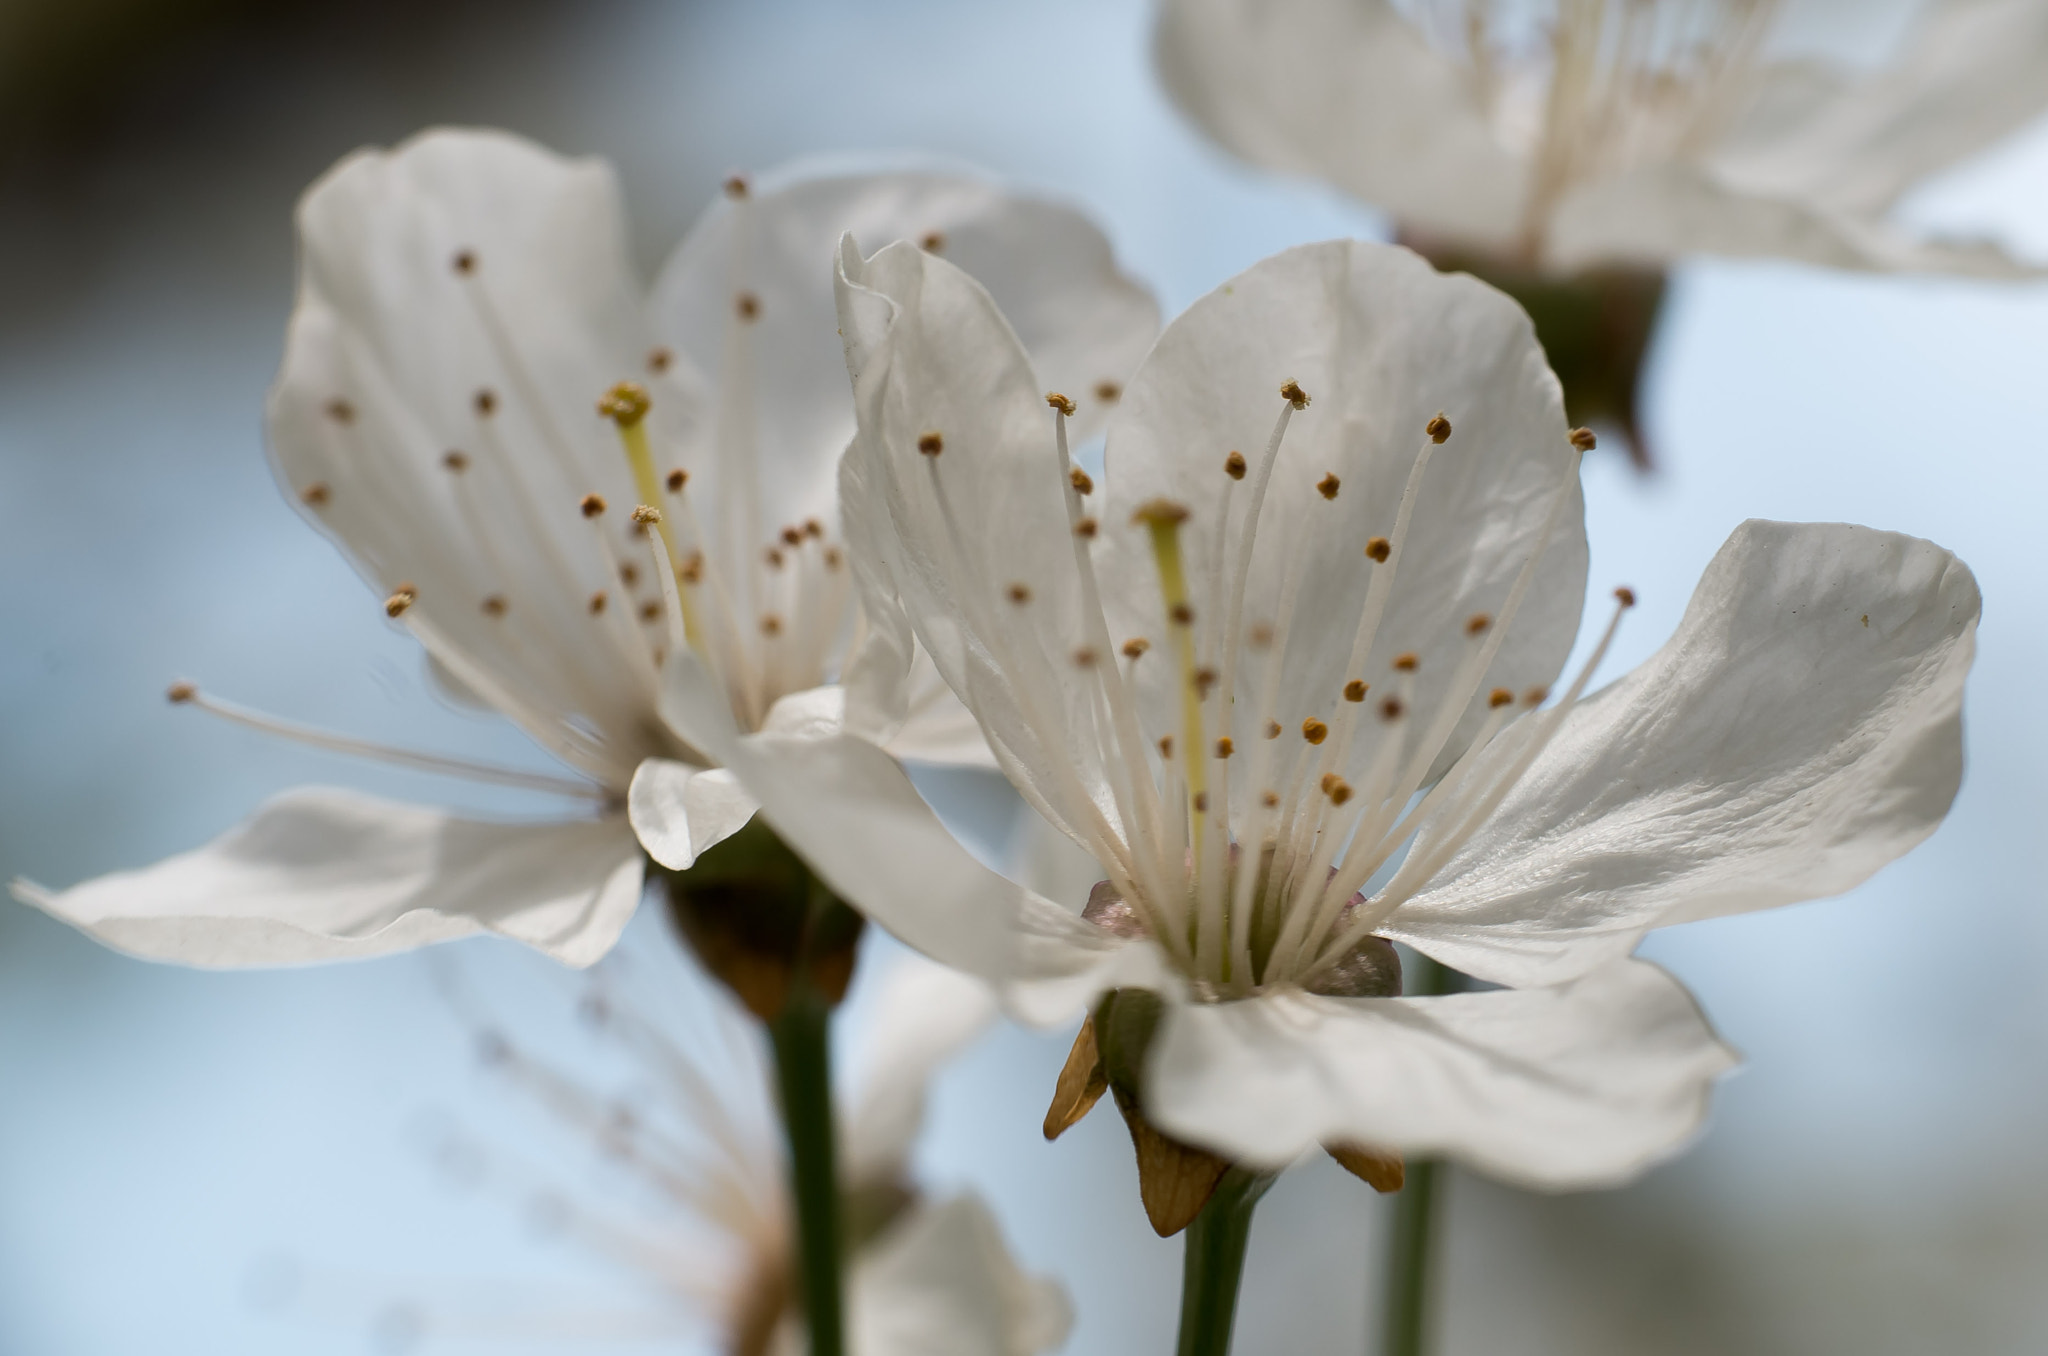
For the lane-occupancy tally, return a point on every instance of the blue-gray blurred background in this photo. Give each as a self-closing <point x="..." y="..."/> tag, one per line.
<point x="186" y="1157"/>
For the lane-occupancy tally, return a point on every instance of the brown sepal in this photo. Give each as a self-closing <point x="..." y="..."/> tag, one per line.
<point x="1082" y="1083"/>
<point x="1384" y="1172"/>
<point x="1175" y="1180"/>
<point x="761" y="979"/>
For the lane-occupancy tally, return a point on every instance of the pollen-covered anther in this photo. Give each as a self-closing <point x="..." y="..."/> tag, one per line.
<point x="735" y="186"/>
<point x="1082" y="482"/>
<point x="1136" y="646"/>
<point x="1476" y="624"/>
<point x="316" y="495"/>
<point x="746" y="306"/>
<point x="1355" y="690"/>
<point x="645" y="514"/>
<point x="1377" y="549"/>
<point x="598" y="601"/>
<point x="1019" y="594"/>
<point x="1166" y="746"/>
<point x="464" y="261"/>
<point x="177" y="694"/>
<point x="1205" y="681"/>
<point x="1406" y="663"/>
<point x="402" y="597"/>
<point x="626" y="404"/>
<point x="1314" y="731"/>
<point x="932" y="243"/>
<point x="1084" y="658"/>
<point x="658" y="360"/>
<point x="592" y="505"/>
<point x="1086" y="527"/>
<point x="814" y="529"/>
<point x="1108" y="392"/>
<point x="485" y="401"/>
<point x="494" y="606"/>
<point x="1294" y="395"/>
<point x="1336" y="788"/>
<point x="1438" y="429"/>
<point x="1181" y="614"/>
<point x="792" y="537"/>
<point x="677" y="479"/>
<point x="1583" y="439"/>
<point x="931" y="443"/>
<point x="1225" y="747"/>
<point x="1499" y="697"/>
<point x="1625" y="595"/>
<point x="771" y="625"/>
<point x="1327" y="486"/>
<point x="458" y="462"/>
<point x="1536" y="696"/>
<point x="1234" y="466"/>
<point x="1060" y="402"/>
<point x="1391" y="708"/>
<point x="1272" y="729"/>
<point x="1270" y="799"/>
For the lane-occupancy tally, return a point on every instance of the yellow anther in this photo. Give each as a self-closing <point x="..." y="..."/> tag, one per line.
<point x="1060" y="402"/>
<point x="1327" y="486"/>
<point x="646" y="513"/>
<point x="1136" y="646"/>
<point x="1406" y="663"/>
<point x="402" y="597"/>
<point x="1294" y="395"/>
<point x="1377" y="549"/>
<point x="592" y="505"/>
<point x="1626" y="596"/>
<point x="1019" y="594"/>
<point x="931" y="443"/>
<point x="1314" y="731"/>
<point x="1337" y="789"/>
<point x="625" y="404"/>
<point x="1272" y="729"/>
<point x="932" y="243"/>
<point x="494" y="606"/>
<point x="465" y="261"/>
<point x="486" y="402"/>
<point x="1438" y="428"/>
<point x="1108" y="392"/>
<point x="1391" y="709"/>
<point x="658" y="360"/>
<point x="677" y="479"/>
<point x="1583" y="439"/>
<point x="1224" y="747"/>
<point x="180" y="693"/>
<point x="1080" y="480"/>
<point x="1499" y="697"/>
<point x="747" y="306"/>
<point x="597" y="602"/>
<point x="1233" y="466"/>
<point x="457" y="462"/>
<point x="1085" y="527"/>
<point x="316" y="495"/>
<point x="1355" y="690"/>
<point x="1476" y="624"/>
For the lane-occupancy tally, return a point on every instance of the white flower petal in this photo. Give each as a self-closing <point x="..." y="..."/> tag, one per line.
<point x="1346" y="91"/>
<point x="319" y="874"/>
<point x="848" y="808"/>
<point x="941" y="1282"/>
<point x="924" y="1015"/>
<point x="463" y="301"/>
<point x="1801" y="729"/>
<point x="974" y="541"/>
<point x="1382" y="343"/>
<point x="678" y="811"/>
<point x="1581" y="1085"/>
<point x="1083" y="320"/>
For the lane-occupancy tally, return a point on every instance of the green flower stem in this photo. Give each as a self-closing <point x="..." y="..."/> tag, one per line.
<point x="1406" y="1301"/>
<point x="803" y="1071"/>
<point x="1214" y="1263"/>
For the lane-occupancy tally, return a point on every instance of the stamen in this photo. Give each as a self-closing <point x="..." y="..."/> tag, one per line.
<point x="1327" y="486"/>
<point x="1377" y="549"/>
<point x="486" y="402"/>
<point x="340" y="411"/>
<point x="1438" y="429"/>
<point x="494" y="606"/>
<point x="1108" y="392"/>
<point x="747" y="306"/>
<point x="658" y="360"/>
<point x="1064" y="406"/>
<point x="1019" y="594"/>
<point x="931" y="444"/>
<point x="1234" y="466"/>
<point x="677" y="479"/>
<point x="1086" y="528"/>
<point x="1294" y="395"/>
<point x="592" y="505"/>
<point x="455" y="461"/>
<point x="1355" y="690"/>
<point x="597" y="603"/>
<point x="934" y="242"/>
<point x="1406" y="663"/>
<point x="1314" y="731"/>
<point x="316" y="495"/>
<point x="464" y="261"/>
<point x="1583" y="439"/>
<point x="1224" y="747"/>
<point x="1136" y="646"/>
<point x="1080" y="480"/>
<point x="402" y="597"/>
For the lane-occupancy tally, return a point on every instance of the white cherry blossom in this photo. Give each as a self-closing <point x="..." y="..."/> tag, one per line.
<point x="1572" y="133"/>
<point x="1290" y="675"/>
<point x="477" y="403"/>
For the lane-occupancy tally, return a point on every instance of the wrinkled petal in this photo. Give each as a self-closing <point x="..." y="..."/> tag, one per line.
<point x="1582" y="1085"/>
<point x="1801" y="729"/>
<point x="941" y="1282"/>
<point x="463" y="301"/>
<point x="319" y="874"/>
<point x="1382" y="343"/>
<point x="924" y="1015"/>
<point x="852" y="813"/>
<point x="1083" y="320"/>
<point x="678" y="811"/>
<point x="1346" y="91"/>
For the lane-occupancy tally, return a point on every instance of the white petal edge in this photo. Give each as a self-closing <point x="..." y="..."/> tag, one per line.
<point x="318" y="874"/>
<point x="1802" y="728"/>
<point x="678" y="811"/>
<point x="941" y="1282"/>
<point x="1585" y="1084"/>
<point x="925" y="1014"/>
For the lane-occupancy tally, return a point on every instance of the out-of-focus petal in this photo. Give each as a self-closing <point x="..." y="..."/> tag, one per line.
<point x="924" y="1015"/>
<point x="941" y="1282"/>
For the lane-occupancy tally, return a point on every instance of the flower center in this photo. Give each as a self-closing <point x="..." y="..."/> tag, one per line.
<point x="1245" y="845"/>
